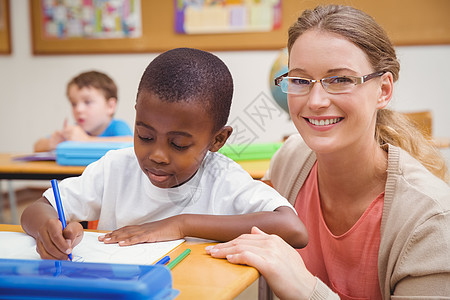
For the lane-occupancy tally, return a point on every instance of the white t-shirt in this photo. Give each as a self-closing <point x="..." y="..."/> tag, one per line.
<point x="115" y="191"/>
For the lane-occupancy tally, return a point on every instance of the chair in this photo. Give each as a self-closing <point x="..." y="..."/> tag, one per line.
<point x="424" y="120"/>
<point x="92" y="224"/>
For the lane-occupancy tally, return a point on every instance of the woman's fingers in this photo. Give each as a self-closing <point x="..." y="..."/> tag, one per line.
<point x="257" y="239"/>
<point x="251" y="258"/>
<point x="256" y="230"/>
<point x="280" y="264"/>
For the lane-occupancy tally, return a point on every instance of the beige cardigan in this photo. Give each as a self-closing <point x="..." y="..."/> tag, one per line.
<point x="414" y="254"/>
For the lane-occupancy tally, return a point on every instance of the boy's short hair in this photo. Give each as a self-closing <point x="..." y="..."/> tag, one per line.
<point x="96" y="80"/>
<point x="186" y="74"/>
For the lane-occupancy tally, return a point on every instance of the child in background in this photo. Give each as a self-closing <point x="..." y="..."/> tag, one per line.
<point x="93" y="96"/>
<point x="173" y="183"/>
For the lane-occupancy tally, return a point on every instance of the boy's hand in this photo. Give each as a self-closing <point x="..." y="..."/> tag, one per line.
<point x="75" y="133"/>
<point x="53" y="243"/>
<point x="55" y="139"/>
<point x="163" y="230"/>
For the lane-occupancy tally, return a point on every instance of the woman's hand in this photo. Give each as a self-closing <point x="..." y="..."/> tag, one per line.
<point x="280" y="264"/>
<point x="163" y="230"/>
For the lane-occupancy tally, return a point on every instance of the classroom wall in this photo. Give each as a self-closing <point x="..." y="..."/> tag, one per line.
<point x="33" y="101"/>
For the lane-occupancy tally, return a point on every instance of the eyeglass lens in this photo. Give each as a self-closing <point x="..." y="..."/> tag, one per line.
<point x="301" y="86"/>
<point x="333" y="85"/>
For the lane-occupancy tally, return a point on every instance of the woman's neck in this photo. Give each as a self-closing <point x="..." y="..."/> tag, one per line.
<point x="348" y="182"/>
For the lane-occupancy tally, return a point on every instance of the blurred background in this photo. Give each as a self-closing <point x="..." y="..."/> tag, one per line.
<point x="33" y="100"/>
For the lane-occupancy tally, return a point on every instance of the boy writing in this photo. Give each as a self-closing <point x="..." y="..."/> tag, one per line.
<point x="174" y="184"/>
<point x="93" y="96"/>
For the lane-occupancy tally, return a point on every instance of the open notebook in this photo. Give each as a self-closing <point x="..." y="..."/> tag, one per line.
<point x="38" y="156"/>
<point x="18" y="245"/>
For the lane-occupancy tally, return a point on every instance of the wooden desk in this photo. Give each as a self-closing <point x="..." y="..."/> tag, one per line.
<point x="46" y="170"/>
<point x="13" y="169"/>
<point x="256" y="168"/>
<point x="29" y="170"/>
<point x="200" y="276"/>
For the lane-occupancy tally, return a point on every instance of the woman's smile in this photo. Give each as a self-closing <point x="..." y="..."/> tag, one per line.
<point x="322" y="123"/>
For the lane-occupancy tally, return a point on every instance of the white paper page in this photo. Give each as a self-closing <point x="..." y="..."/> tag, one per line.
<point x="19" y="245"/>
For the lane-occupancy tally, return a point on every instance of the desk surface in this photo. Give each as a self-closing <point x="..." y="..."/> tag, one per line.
<point x="12" y="169"/>
<point x="200" y="276"/>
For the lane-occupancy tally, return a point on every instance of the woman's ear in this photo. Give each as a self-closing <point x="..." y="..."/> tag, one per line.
<point x="220" y="138"/>
<point x="386" y="90"/>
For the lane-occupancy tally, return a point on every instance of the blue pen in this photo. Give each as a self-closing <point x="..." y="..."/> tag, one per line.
<point x="59" y="206"/>
<point x="163" y="260"/>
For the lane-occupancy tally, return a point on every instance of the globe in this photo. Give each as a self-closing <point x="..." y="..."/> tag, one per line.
<point x="279" y="67"/>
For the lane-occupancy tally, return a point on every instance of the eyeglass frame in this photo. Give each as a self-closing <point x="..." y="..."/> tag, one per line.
<point x="359" y="80"/>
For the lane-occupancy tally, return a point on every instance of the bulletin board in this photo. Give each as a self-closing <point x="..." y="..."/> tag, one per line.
<point x="5" y="33"/>
<point x="407" y="22"/>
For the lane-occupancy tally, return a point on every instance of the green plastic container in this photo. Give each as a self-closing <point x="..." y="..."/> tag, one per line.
<point x="238" y="152"/>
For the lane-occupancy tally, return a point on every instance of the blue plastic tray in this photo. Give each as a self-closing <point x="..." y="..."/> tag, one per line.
<point x="73" y="153"/>
<point x="55" y="279"/>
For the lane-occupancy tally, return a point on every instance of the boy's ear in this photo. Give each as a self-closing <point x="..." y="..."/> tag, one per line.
<point x="220" y="138"/>
<point x="111" y="104"/>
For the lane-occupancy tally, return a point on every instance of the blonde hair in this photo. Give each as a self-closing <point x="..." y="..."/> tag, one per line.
<point x="363" y="31"/>
<point x="396" y="129"/>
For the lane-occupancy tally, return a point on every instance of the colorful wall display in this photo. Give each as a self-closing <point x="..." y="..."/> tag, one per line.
<point x="96" y="19"/>
<point x="226" y="16"/>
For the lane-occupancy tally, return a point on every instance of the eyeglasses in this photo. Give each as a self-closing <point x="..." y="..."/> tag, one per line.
<point x="333" y="84"/>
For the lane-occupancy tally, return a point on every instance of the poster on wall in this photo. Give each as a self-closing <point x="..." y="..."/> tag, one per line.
<point x="5" y="37"/>
<point x="226" y="16"/>
<point x="91" y="19"/>
<point x="2" y="15"/>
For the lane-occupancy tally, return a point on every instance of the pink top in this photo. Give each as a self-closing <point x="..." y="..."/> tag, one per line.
<point x="346" y="263"/>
